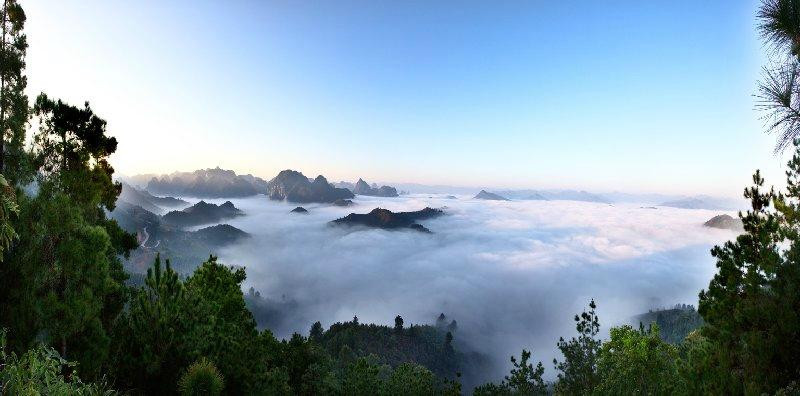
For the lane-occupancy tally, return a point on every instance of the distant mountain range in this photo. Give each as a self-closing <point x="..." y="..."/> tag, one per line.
<point x="362" y="188"/>
<point x="704" y="202"/>
<point x="293" y="186"/>
<point x="388" y="220"/>
<point x="688" y="203"/>
<point x="554" y="195"/>
<point x="206" y="183"/>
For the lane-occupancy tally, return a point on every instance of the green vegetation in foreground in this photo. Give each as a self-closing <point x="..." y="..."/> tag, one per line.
<point x="71" y="326"/>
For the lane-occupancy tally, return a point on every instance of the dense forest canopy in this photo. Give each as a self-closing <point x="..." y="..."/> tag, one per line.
<point x="73" y="324"/>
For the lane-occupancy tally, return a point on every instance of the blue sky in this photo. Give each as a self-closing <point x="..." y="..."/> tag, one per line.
<point x="650" y="96"/>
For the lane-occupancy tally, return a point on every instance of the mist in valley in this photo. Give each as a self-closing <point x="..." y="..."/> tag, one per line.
<point x="513" y="274"/>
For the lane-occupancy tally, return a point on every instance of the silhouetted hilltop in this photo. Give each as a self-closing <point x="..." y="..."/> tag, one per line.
<point x="201" y="213"/>
<point x="343" y="202"/>
<point x="386" y="219"/>
<point x="293" y="186"/>
<point x="207" y="183"/>
<point x="725" y="222"/>
<point x="220" y="235"/>
<point x="489" y="196"/>
<point x="299" y="209"/>
<point x="362" y="188"/>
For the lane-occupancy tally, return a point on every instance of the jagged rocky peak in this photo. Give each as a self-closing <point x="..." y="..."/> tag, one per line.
<point x="293" y="186"/>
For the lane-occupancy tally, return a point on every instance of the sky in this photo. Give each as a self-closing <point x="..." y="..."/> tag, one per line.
<point x="637" y="96"/>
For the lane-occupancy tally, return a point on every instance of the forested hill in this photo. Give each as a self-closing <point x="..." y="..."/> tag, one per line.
<point x="674" y="323"/>
<point x="432" y="346"/>
<point x="435" y="346"/>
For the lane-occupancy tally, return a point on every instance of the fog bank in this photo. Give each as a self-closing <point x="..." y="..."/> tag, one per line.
<point x="513" y="274"/>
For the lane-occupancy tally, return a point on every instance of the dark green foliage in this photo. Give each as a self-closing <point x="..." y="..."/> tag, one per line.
<point x="525" y="379"/>
<point x="752" y="306"/>
<point x="300" y="359"/>
<point x="637" y="362"/>
<point x="367" y="377"/>
<point x="316" y="332"/>
<point x="13" y="101"/>
<point x="65" y="277"/>
<point x="410" y="379"/>
<point x="427" y="346"/>
<point x="779" y="25"/>
<point x="150" y="336"/>
<point x="174" y="323"/>
<point x="695" y="365"/>
<point x="8" y="210"/>
<point x="40" y="371"/>
<point x="578" y="372"/>
<point x="201" y="379"/>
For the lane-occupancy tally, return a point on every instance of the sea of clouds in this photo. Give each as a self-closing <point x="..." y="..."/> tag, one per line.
<point x="513" y="274"/>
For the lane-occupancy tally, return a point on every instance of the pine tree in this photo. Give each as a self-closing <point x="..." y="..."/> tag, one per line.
<point x="752" y="305"/>
<point x="578" y="372"/>
<point x="13" y="101"/>
<point x="316" y="332"/>
<point x="398" y="324"/>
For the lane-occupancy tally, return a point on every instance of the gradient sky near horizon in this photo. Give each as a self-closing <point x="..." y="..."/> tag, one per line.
<point x="638" y="96"/>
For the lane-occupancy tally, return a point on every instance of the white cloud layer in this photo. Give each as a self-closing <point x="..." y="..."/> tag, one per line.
<point x="513" y="274"/>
